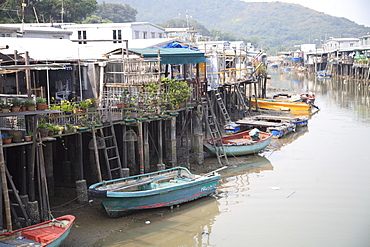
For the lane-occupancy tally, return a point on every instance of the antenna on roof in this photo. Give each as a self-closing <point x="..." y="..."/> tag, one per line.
<point x="62" y="12"/>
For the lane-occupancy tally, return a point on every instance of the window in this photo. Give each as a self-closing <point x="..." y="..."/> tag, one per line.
<point x="82" y="36"/>
<point x="137" y="35"/>
<point x="117" y="35"/>
<point x="153" y="35"/>
<point x="145" y="35"/>
<point x="160" y="35"/>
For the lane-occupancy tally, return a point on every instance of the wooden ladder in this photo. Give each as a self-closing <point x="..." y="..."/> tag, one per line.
<point x="18" y="209"/>
<point x="215" y="132"/>
<point x="112" y="158"/>
<point x="221" y="105"/>
<point x="242" y="99"/>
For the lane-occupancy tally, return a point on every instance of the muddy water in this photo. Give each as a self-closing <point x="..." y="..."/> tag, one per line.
<point x="311" y="188"/>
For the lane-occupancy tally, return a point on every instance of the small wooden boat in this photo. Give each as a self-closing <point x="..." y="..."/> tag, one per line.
<point x="153" y="190"/>
<point x="277" y="129"/>
<point x="49" y="233"/>
<point x="274" y="104"/>
<point x="305" y="97"/>
<point x="297" y="121"/>
<point x="241" y="143"/>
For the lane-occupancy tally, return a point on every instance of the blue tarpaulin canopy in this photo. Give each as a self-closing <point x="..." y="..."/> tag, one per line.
<point x="171" y="55"/>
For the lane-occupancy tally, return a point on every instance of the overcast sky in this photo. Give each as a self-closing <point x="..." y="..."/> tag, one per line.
<point x="354" y="10"/>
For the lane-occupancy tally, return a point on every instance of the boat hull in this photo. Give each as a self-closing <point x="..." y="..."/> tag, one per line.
<point x="154" y="194"/>
<point x="239" y="144"/>
<point x="50" y="233"/>
<point x="239" y="149"/>
<point x="281" y="105"/>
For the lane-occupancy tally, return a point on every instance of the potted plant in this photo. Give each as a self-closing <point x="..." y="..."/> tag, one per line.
<point x="30" y="104"/>
<point x="7" y="139"/>
<point x="41" y="104"/>
<point x="16" y="104"/>
<point x="16" y="125"/>
<point x="23" y="106"/>
<point x="5" y="106"/>
<point x="69" y="128"/>
<point x="153" y="89"/>
<point x="28" y="136"/>
<point x="177" y="91"/>
<point x="59" y="129"/>
<point x="128" y="117"/>
<point x="55" y="107"/>
<point x="43" y="129"/>
<point x="67" y="107"/>
<point x="84" y="105"/>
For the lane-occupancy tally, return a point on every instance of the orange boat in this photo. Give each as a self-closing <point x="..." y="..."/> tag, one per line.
<point x="275" y="104"/>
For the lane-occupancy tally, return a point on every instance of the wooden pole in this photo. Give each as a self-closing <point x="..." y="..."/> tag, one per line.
<point x="16" y="73"/>
<point x="28" y="76"/>
<point x="140" y="146"/>
<point x="4" y="186"/>
<point x="96" y="154"/>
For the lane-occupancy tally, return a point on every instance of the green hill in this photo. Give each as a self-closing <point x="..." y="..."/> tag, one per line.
<point x="273" y="24"/>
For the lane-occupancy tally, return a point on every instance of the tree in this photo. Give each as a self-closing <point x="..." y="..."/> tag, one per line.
<point x="116" y="13"/>
<point x="95" y="19"/>
<point x="46" y="11"/>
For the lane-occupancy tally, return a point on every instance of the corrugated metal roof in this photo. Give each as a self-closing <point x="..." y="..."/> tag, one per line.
<point x="49" y="49"/>
<point x="171" y="55"/>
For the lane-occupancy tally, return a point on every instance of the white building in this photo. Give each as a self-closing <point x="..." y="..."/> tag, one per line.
<point x="40" y="31"/>
<point x="114" y="31"/>
<point x="340" y="44"/>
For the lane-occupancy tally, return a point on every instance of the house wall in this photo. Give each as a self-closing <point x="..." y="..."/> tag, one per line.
<point x="106" y="31"/>
<point x="333" y="45"/>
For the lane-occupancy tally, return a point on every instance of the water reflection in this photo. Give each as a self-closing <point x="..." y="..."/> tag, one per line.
<point x="190" y="224"/>
<point x="277" y="144"/>
<point x="234" y="186"/>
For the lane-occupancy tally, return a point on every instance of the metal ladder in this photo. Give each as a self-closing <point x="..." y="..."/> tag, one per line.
<point x="17" y="208"/>
<point x="214" y="132"/>
<point x="111" y="153"/>
<point x="221" y="105"/>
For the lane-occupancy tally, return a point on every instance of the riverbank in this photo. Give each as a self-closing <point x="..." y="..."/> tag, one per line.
<point x="92" y="225"/>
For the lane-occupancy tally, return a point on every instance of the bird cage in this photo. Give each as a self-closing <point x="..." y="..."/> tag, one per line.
<point x="130" y="136"/>
<point x="99" y="143"/>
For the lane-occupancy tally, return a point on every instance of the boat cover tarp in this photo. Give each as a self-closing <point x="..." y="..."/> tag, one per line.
<point x="172" y="55"/>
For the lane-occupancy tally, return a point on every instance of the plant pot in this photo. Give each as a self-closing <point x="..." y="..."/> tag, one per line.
<point x="24" y="108"/>
<point x="41" y="106"/>
<point x="119" y="105"/>
<point x="43" y="132"/>
<point x="17" y="135"/>
<point x="28" y="138"/>
<point x="31" y="107"/>
<point x="16" y="108"/>
<point x="51" y="133"/>
<point x="5" y="110"/>
<point x="7" y="140"/>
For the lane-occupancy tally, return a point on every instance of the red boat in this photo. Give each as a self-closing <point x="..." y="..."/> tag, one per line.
<point x="49" y="233"/>
<point x="308" y="98"/>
